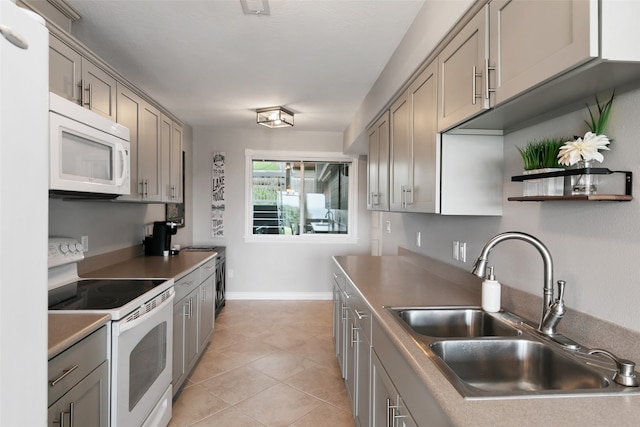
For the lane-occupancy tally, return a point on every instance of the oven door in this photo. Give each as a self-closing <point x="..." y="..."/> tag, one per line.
<point x="142" y="361"/>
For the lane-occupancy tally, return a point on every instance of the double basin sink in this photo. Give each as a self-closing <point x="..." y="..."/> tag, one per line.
<point x="499" y="355"/>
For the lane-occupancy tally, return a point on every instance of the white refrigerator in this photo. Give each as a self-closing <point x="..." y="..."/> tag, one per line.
<point x="24" y="93"/>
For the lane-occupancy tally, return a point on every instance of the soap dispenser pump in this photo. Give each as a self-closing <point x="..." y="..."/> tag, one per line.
<point x="491" y="293"/>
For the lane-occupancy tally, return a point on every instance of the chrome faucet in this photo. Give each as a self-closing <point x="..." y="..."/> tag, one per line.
<point x="552" y="312"/>
<point x="329" y="217"/>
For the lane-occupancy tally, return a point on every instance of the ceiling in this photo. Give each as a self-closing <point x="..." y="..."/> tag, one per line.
<point x="210" y="64"/>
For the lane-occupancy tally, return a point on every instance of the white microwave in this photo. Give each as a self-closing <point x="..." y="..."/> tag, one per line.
<point x="89" y="154"/>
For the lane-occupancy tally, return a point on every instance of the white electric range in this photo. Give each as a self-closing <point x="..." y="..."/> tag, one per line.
<point x="141" y="331"/>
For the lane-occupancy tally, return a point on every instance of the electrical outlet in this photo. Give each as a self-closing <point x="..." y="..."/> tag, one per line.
<point x="456" y="250"/>
<point x="230" y="274"/>
<point x="84" y="241"/>
<point x="463" y="252"/>
<point x="418" y="239"/>
<point x="388" y="227"/>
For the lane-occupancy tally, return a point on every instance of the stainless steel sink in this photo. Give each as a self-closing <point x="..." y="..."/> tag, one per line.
<point x="500" y="355"/>
<point x="515" y="366"/>
<point x="454" y="322"/>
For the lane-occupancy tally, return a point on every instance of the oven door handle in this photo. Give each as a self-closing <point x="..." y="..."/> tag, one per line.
<point x="132" y="324"/>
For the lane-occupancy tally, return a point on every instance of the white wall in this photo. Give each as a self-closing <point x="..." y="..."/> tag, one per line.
<point x="265" y="270"/>
<point x="595" y="245"/>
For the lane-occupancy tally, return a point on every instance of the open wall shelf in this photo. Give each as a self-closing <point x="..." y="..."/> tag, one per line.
<point x="627" y="196"/>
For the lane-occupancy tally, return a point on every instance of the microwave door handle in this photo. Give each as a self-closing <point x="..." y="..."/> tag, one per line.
<point x="122" y="153"/>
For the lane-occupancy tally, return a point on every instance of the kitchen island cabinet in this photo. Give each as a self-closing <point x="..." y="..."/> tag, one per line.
<point x="426" y="394"/>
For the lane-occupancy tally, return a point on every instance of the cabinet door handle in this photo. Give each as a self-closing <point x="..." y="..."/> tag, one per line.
<point x="487" y="68"/>
<point x="81" y="87"/>
<point x="71" y="413"/>
<point x="84" y="88"/>
<point x="361" y="314"/>
<point x="64" y="374"/>
<point x="89" y="89"/>
<point x="474" y="76"/>
<point x="391" y="414"/>
<point x="61" y="422"/>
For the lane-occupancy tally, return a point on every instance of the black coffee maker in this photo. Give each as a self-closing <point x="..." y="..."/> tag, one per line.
<point x="160" y="242"/>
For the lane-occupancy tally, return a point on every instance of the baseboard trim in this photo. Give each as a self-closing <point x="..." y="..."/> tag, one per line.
<point x="300" y="296"/>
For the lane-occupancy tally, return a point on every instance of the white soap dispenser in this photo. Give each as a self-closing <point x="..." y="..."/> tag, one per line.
<point x="491" y="293"/>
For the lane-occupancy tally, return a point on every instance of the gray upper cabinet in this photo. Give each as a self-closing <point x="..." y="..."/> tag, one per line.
<point x="414" y="168"/>
<point x="532" y="41"/>
<point x="65" y="70"/>
<point x="399" y="114"/>
<point x="128" y="114"/>
<point x="378" y="165"/>
<point x="156" y="138"/>
<point x="77" y="79"/>
<point x="462" y="73"/>
<point x="143" y="121"/>
<point x="171" y="152"/>
<point x="98" y="90"/>
<point x="149" y="154"/>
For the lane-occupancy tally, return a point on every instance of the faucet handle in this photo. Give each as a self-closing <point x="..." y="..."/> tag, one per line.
<point x="561" y="285"/>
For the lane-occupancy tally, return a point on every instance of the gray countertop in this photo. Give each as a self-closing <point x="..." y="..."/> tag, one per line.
<point x="67" y="329"/>
<point x="417" y="281"/>
<point x="151" y="267"/>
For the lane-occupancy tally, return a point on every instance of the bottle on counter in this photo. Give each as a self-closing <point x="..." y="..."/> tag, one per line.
<point x="491" y="293"/>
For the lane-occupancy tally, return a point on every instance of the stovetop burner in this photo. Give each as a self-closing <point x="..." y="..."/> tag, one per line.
<point x="99" y="294"/>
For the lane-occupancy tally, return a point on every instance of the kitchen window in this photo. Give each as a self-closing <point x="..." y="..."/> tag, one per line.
<point x="300" y="196"/>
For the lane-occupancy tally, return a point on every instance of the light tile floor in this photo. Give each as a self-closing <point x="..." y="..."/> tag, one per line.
<point x="269" y="364"/>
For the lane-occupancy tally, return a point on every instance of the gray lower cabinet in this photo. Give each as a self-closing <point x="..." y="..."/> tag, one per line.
<point x="193" y="319"/>
<point x="387" y="406"/>
<point x="352" y="339"/>
<point x="206" y="309"/>
<point x="79" y="384"/>
<point x="383" y="388"/>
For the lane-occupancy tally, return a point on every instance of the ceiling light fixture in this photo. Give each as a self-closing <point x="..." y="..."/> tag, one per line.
<point x="274" y="117"/>
<point x="255" y="7"/>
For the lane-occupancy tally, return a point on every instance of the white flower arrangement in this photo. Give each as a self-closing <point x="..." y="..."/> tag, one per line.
<point x="583" y="149"/>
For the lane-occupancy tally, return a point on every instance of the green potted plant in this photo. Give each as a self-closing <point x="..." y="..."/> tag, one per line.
<point x="542" y="156"/>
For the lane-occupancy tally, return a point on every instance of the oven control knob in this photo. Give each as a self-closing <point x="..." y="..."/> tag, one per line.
<point x="79" y="247"/>
<point x="64" y="248"/>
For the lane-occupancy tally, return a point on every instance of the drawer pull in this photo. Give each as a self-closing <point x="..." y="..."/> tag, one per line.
<point x="64" y="374"/>
<point x="361" y="314"/>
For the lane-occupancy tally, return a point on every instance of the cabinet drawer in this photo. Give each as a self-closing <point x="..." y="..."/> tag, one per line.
<point x="75" y="363"/>
<point x="207" y="269"/>
<point x="186" y="284"/>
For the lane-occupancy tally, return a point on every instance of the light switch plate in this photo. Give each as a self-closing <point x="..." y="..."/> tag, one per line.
<point x="456" y="250"/>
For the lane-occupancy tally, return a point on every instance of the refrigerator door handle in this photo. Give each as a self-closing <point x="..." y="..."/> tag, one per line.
<point x="13" y="37"/>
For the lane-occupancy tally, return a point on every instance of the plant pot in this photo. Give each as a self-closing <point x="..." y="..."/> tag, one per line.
<point x="543" y="186"/>
<point x="585" y="183"/>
